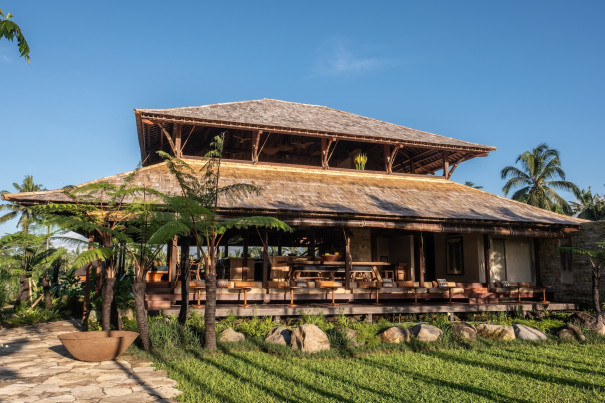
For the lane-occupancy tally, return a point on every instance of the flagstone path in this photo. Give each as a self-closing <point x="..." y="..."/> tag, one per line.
<point x="35" y="367"/>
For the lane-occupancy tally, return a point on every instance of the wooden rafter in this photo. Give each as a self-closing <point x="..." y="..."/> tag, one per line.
<point x="446" y="165"/>
<point x="389" y="157"/>
<point x="326" y="143"/>
<point x="255" y="143"/>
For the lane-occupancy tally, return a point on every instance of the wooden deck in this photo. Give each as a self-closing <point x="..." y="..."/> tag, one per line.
<point x="387" y="308"/>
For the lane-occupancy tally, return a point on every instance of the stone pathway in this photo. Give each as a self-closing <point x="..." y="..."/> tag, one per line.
<point x="35" y="367"/>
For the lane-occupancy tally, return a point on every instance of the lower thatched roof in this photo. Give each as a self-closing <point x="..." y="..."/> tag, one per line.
<point x="289" y="191"/>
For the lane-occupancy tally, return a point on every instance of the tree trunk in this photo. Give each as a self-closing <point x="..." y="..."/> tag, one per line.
<point x="184" y="279"/>
<point x="106" y="303"/>
<point x="116" y="318"/>
<point x="23" y="293"/>
<point x="138" y="288"/>
<point x="596" y="279"/>
<point x="87" y="286"/>
<point x="210" y="314"/>
<point x="46" y="287"/>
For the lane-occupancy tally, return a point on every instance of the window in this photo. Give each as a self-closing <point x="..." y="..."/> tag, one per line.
<point x="454" y="255"/>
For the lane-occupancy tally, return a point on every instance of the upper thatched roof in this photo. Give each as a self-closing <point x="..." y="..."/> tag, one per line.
<point x="300" y="192"/>
<point x="290" y="117"/>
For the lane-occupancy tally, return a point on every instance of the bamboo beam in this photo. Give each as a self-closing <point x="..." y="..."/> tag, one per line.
<point x="176" y="132"/>
<point x="389" y="157"/>
<point x="348" y="258"/>
<point x="169" y="138"/>
<point x="419" y="247"/>
<point x="453" y="169"/>
<point x="486" y="257"/>
<point x="325" y="152"/>
<point x="446" y="165"/>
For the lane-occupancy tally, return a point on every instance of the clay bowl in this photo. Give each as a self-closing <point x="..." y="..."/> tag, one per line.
<point x="330" y="258"/>
<point x="97" y="346"/>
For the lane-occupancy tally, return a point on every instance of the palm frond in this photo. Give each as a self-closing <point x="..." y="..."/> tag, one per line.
<point x="93" y="255"/>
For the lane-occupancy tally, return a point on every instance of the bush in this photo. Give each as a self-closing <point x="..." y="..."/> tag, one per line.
<point x="166" y="332"/>
<point x="26" y="316"/>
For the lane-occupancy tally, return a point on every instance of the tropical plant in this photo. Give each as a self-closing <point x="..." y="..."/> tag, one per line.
<point x="10" y="31"/>
<point x="596" y="257"/>
<point x="24" y="213"/>
<point x="360" y="161"/>
<point x="195" y="213"/>
<point x="472" y="185"/>
<point x="590" y="207"/>
<point x="540" y="173"/>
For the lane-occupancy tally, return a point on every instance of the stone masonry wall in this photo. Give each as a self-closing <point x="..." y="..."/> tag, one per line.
<point x="361" y="244"/>
<point x="579" y="287"/>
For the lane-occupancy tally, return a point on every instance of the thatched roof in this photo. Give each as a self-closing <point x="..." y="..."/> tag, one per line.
<point x="303" y="192"/>
<point x="289" y="117"/>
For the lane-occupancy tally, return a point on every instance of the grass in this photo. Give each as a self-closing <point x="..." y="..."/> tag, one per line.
<point x="524" y="372"/>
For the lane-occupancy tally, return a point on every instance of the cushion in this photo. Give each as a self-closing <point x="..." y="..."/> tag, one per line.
<point x="526" y="285"/>
<point x="301" y="282"/>
<point x="441" y="283"/>
<point x="506" y="284"/>
<point x="387" y="283"/>
<point x="433" y="284"/>
<point x="405" y="284"/>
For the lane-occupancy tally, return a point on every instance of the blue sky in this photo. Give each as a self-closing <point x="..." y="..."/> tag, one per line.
<point x="502" y="73"/>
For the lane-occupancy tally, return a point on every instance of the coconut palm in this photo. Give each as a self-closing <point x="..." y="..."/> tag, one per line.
<point x="540" y="173"/>
<point x="590" y="207"/>
<point x="472" y="185"/>
<point x="24" y="213"/>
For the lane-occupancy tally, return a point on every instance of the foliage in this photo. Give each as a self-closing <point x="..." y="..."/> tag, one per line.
<point x="25" y="316"/>
<point x="25" y="214"/>
<point x="10" y="31"/>
<point x="165" y="331"/>
<point x="590" y="207"/>
<point x="360" y="161"/>
<point x="538" y="177"/>
<point x="472" y="185"/>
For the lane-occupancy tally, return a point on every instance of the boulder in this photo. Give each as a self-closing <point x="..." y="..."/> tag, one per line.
<point x="231" y="336"/>
<point x="309" y="339"/>
<point x="496" y="332"/>
<point x="523" y="332"/>
<point x="569" y="331"/>
<point x="279" y="335"/>
<point x="351" y="335"/>
<point x="424" y="332"/>
<point x="127" y="313"/>
<point x="586" y="320"/>
<point x="395" y="335"/>
<point x="464" y="331"/>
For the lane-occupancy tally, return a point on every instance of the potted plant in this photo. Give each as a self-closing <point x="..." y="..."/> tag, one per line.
<point x="360" y="161"/>
<point x="330" y="257"/>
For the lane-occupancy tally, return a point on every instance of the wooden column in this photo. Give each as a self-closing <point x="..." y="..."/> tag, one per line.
<point x="245" y="257"/>
<point x="255" y="143"/>
<point x="486" y="257"/>
<point x="389" y="157"/>
<point x="348" y="258"/>
<point x="312" y="246"/>
<point x="446" y="165"/>
<point x="419" y="249"/>
<point x="325" y="152"/>
<point x="177" y="140"/>
<point x="266" y="260"/>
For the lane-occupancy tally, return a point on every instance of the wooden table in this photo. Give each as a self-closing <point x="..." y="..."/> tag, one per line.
<point x="198" y="290"/>
<point x="292" y="288"/>
<point x="544" y="301"/>
<point x="332" y="268"/>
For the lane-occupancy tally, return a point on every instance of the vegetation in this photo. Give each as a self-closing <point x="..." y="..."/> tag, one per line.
<point x="472" y="185"/>
<point x="196" y="215"/>
<point x="24" y="213"/>
<point x="539" y="176"/>
<point x="590" y="207"/>
<point x="10" y="31"/>
<point x="446" y="370"/>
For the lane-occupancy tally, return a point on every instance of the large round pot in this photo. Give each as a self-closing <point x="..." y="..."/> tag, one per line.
<point x="99" y="345"/>
<point x="330" y="258"/>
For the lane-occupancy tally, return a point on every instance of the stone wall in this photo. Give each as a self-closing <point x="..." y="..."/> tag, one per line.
<point x="361" y="244"/>
<point x="576" y="285"/>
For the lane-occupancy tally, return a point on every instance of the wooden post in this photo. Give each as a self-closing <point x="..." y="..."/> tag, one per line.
<point x="446" y="166"/>
<point x="325" y="152"/>
<point x="312" y="245"/>
<point x="486" y="257"/>
<point x="177" y="140"/>
<point x="348" y="258"/>
<point x="389" y="157"/>
<point x="266" y="260"/>
<point x="245" y="258"/>
<point x="171" y="257"/>
<point x="255" y="142"/>
<point x="419" y="247"/>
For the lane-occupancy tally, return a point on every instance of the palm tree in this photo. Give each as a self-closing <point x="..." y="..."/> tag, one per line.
<point x="590" y="207"/>
<point x="537" y="178"/>
<point x="25" y="214"/>
<point x="472" y="185"/>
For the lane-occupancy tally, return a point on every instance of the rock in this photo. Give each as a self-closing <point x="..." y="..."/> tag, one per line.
<point x="351" y="335"/>
<point x="279" y="335"/>
<point x="523" y="332"/>
<point x="127" y="313"/>
<point x="93" y="320"/>
<point x="496" y="332"/>
<point x="231" y="336"/>
<point x="586" y="320"/>
<point x="464" y="331"/>
<point x="310" y="339"/>
<point x="424" y="332"/>
<point x="569" y="331"/>
<point x="395" y="335"/>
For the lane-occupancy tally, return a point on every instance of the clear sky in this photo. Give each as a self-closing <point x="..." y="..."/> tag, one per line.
<point x="509" y="74"/>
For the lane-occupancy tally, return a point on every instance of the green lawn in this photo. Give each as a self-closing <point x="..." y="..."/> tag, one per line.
<point x="518" y="372"/>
